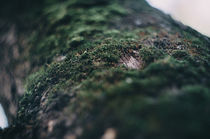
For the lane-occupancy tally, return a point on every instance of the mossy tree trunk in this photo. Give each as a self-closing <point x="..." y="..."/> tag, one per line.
<point x="103" y="68"/>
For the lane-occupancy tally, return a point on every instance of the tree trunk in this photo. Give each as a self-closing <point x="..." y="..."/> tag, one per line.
<point x="102" y="69"/>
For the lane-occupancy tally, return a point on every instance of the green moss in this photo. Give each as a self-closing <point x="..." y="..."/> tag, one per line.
<point x="150" y="54"/>
<point x="180" y="54"/>
<point x="96" y="55"/>
<point x="70" y="26"/>
<point x="152" y="102"/>
<point x="146" y="102"/>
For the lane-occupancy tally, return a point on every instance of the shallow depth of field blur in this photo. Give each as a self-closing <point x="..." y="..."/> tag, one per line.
<point x="194" y="13"/>
<point x="149" y="61"/>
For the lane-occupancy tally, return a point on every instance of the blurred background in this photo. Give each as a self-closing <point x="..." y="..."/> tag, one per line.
<point x="66" y="56"/>
<point x="194" y="13"/>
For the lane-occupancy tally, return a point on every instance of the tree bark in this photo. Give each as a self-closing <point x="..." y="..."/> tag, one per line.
<point x="103" y="69"/>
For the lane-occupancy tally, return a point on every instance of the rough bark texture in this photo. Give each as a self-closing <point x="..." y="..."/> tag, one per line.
<point x="12" y="69"/>
<point x="103" y="69"/>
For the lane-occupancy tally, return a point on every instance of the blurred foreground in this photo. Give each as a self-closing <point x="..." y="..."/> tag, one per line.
<point x="109" y="69"/>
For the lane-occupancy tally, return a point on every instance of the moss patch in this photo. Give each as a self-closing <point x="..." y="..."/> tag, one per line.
<point x="78" y="49"/>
